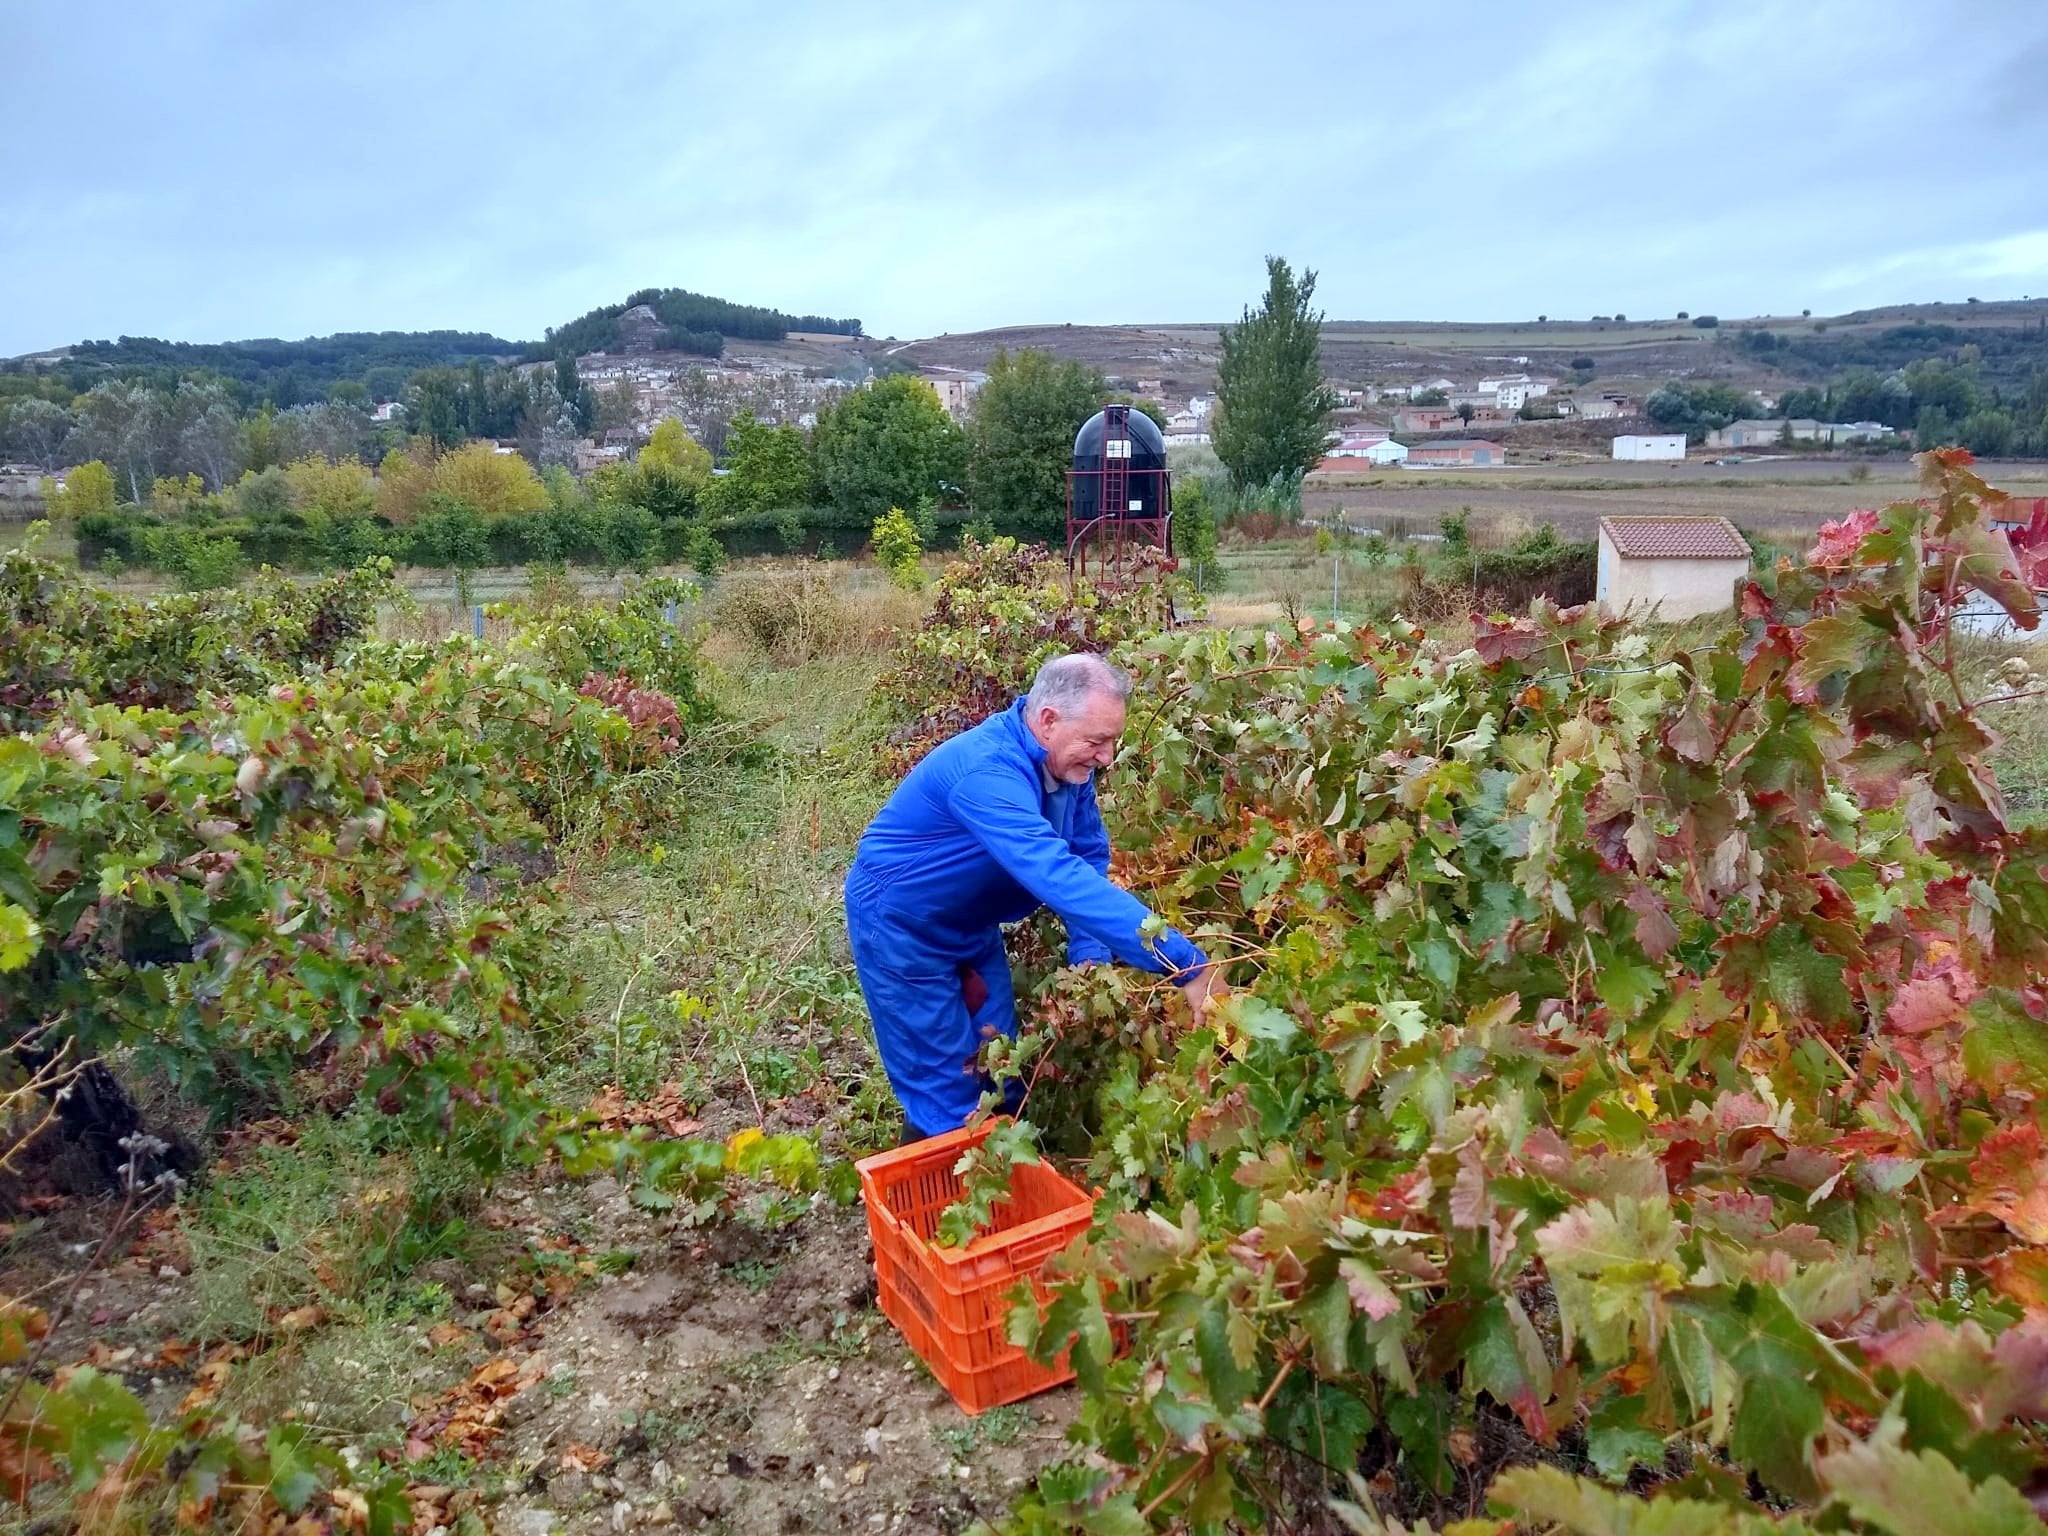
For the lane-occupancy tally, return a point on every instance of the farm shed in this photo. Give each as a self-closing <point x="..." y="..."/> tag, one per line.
<point x="1657" y="445"/>
<point x="1669" y="568"/>
<point x="1454" y="452"/>
<point x="1367" y="448"/>
<point x="1358" y="442"/>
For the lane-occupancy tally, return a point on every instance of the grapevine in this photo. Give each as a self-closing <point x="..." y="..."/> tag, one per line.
<point x="1636" y="1070"/>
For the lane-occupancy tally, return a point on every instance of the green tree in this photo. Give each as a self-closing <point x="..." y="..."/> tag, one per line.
<point x="1194" y="530"/>
<point x="769" y="470"/>
<point x="889" y="444"/>
<point x="1465" y="412"/>
<point x="88" y="487"/>
<point x="1273" y="406"/>
<point x="437" y="405"/>
<point x="1697" y="409"/>
<point x="671" y="444"/>
<point x="1022" y="436"/>
<point x="573" y="394"/>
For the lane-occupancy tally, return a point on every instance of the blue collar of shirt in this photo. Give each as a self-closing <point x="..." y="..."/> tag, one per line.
<point x="1033" y="749"/>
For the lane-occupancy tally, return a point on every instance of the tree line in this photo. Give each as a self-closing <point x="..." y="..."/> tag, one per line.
<point x="1942" y="402"/>
<point x="177" y="480"/>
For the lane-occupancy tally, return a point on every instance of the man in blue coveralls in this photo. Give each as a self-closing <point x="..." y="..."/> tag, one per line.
<point x="992" y="825"/>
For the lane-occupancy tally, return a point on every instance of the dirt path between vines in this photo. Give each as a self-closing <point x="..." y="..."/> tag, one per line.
<point x="741" y="1381"/>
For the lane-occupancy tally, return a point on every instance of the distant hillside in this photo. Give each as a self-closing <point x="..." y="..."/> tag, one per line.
<point x="288" y="373"/>
<point x="2009" y="338"/>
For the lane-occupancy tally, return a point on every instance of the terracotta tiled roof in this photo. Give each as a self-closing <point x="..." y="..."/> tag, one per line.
<point x="1675" y="538"/>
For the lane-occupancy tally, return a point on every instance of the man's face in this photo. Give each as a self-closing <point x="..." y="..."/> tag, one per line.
<point x="1079" y="743"/>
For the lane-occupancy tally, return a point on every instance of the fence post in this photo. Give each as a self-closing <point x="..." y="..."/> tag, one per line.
<point x="476" y="620"/>
<point x="1336" y="560"/>
<point x="668" y="614"/>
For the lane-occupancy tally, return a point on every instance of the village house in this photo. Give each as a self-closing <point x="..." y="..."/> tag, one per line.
<point x="956" y="391"/>
<point x="1457" y="453"/>
<point x="1764" y="433"/>
<point x="1601" y="407"/>
<point x="589" y="455"/>
<point x="1669" y="568"/>
<point x="1425" y="418"/>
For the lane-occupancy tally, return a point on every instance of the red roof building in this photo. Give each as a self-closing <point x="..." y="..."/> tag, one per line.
<point x="1669" y="569"/>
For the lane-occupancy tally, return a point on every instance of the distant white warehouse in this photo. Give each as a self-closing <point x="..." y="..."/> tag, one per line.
<point x="1667" y="445"/>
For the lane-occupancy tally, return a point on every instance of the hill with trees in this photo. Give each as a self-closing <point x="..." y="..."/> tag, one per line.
<point x="682" y="322"/>
<point x="291" y="373"/>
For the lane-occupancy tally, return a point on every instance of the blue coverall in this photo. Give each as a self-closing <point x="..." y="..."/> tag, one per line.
<point x="979" y="835"/>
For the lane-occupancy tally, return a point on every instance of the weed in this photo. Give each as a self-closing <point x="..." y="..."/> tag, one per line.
<point x="1002" y="1426"/>
<point x="755" y="1274"/>
<point x="662" y="1430"/>
<point x="448" y="1467"/>
<point x="997" y="1427"/>
<point x="336" y="1216"/>
<point x="766" y="1364"/>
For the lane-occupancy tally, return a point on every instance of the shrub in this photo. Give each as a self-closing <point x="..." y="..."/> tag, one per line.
<point x="791" y="616"/>
<point x="897" y="548"/>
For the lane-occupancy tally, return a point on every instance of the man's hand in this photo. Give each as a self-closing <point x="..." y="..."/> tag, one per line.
<point x="1205" y="989"/>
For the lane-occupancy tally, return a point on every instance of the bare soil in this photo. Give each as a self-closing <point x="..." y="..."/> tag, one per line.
<point x="742" y="1381"/>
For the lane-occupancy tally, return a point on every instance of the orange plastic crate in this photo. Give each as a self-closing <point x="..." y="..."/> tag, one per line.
<point x="952" y="1303"/>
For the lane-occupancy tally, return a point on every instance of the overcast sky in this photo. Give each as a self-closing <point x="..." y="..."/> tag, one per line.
<point x="207" y="170"/>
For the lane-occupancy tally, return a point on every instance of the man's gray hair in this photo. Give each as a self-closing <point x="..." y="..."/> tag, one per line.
<point x="1066" y="682"/>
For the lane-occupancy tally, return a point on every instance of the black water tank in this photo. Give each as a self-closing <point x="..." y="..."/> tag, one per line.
<point x="1146" y="481"/>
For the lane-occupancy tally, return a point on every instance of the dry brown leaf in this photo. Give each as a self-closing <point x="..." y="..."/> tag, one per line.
<point x="209" y="1379"/>
<point x="447" y="1335"/>
<point x="585" y="1458"/>
<point x="351" y="1509"/>
<point x="299" y="1319"/>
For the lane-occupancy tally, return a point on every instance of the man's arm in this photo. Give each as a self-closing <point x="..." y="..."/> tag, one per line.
<point x="1090" y="842"/>
<point x="1004" y="816"/>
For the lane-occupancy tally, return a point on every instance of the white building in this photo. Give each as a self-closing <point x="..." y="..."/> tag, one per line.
<point x="1660" y="445"/>
<point x="1512" y="396"/>
<point x="1669" y="568"/>
<point x="1387" y="454"/>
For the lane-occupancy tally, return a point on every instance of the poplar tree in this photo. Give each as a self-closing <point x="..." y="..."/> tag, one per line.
<point x="1273" y="406"/>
